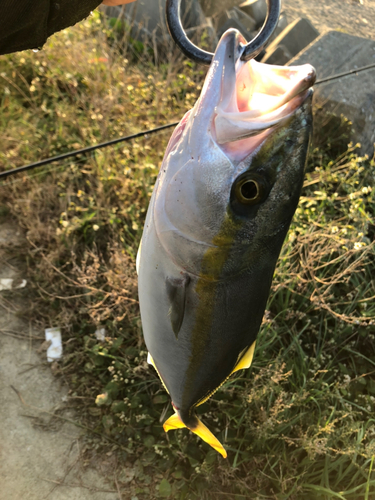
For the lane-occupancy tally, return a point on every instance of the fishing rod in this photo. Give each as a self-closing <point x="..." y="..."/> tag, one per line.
<point x="89" y="149"/>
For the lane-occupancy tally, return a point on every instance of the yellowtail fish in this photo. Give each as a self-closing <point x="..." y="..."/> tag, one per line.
<point x="226" y="193"/>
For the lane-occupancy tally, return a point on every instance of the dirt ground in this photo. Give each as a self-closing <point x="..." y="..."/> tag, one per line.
<point x="355" y="17"/>
<point x="38" y="461"/>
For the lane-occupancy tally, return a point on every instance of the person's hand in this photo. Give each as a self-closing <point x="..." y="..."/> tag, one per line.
<point x="116" y="2"/>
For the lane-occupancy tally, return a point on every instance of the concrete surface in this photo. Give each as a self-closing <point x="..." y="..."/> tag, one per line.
<point x="354" y="95"/>
<point x="39" y="459"/>
<point x="257" y="9"/>
<point x="294" y="38"/>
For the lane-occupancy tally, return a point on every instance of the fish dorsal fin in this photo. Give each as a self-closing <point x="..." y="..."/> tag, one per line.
<point x="174" y="422"/>
<point x="176" y="292"/>
<point x="246" y="359"/>
<point x="244" y="362"/>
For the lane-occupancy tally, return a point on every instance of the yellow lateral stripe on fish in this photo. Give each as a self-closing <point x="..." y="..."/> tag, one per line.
<point x="222" y="204"/>
<point x="174" y="422"/>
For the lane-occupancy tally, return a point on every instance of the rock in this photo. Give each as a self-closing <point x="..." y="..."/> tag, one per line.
<point x="281" y="25"/>
<point x="257" y="9"/>
<point x="215" y="7"/>
<point x="192" y="14"/>
<point x="295" y="37"/>
<point x="147" y="18"/>
<point x="279" y="56"/>
<point x="351" y="96"/>
<point x="235" y="24"/>
<point x="282" y="53"/>
<point x="237" y="19"/>
<point x="204" y="35"/>
<point x="245" y="19"/>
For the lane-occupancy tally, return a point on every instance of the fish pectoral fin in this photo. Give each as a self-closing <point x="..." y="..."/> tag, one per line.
<point x="176" y="292"/>
<point x="246" y="359"/>
<point x="174" y="422"/>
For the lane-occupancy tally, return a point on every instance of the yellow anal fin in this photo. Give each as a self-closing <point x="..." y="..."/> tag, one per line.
<point x="138" y="258"/>
<point x="246" y="359"/>
<point x="174" y="422"/>
<point x="150" y="361"/>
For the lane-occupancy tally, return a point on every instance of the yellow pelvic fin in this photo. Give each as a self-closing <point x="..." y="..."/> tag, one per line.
<point x="174" y="422"/>
<point x="246" y="359"/>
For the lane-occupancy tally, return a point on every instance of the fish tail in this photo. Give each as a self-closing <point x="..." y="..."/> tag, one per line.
<point x="193" y="423"/>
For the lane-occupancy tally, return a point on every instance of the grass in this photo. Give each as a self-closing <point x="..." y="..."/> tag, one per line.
<point x="300" y="422"/>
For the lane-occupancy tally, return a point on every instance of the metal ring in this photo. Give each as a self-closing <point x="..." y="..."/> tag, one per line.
<point x="252" y="49"/>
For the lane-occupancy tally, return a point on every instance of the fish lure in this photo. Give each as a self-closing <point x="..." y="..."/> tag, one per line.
<point x="222" y="204"/>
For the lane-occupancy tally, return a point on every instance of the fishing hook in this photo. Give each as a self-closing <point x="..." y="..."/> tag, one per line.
<point x="252" y="49"/>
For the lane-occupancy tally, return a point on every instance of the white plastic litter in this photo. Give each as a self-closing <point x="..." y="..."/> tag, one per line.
<point x="100" y="334"/>
<point x="8" y="284"/>
<point x="54" y="351"/>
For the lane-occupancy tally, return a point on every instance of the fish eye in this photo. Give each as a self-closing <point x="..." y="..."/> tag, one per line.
<point x="249" y="189"/>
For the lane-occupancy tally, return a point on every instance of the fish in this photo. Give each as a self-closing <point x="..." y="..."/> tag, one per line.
<point x="224" y="198"/>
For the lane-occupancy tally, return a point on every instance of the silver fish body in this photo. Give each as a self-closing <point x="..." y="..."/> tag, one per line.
<point x="226" y="193"/>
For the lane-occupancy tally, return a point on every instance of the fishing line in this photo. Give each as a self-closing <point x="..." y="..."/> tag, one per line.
<point x="347" y="73"/>
<point x="89" y="149"/>
<point x="33" y="175"/>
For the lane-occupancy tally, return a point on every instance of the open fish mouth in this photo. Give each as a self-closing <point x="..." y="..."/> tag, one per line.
<point x="257" y="97"/>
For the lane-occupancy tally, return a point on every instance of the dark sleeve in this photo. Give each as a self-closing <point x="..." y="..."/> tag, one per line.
<point x="26" y="24"/>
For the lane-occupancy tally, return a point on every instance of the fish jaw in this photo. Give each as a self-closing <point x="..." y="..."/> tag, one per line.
<point x="206" y="262"/>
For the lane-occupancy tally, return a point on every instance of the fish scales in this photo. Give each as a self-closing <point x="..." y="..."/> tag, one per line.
<point x="221" y="208"/>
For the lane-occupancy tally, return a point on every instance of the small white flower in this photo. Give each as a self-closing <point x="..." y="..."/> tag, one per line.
<point x="359" y="244"/>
